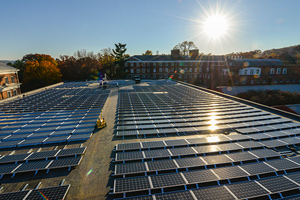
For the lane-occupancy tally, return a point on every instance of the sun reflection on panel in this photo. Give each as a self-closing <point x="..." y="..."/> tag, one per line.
<point x="213" y="139"/>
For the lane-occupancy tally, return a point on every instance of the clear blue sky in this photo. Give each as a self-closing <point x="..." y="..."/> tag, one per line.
<point x="61" y="27"/>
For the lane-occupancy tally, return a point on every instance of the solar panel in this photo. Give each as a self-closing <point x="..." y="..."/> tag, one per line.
<point x="129" y="156"/>
<point x="182" y="151"/>
<point x="175" y="195"/>
<point x="241" y="156"/>
<point x="130" y="167"/>
<point x="167" y="180"/>
<point x="127" y="146"/>
<point x="157" y="153"/>
<point x="247" y="190"/>
<point x="189" y="162"/>
<point x="258" y="168"/>
<point x="42" y="154"/>
<point x="218" y="159"/>
<point x="213" y="193"/>
<point x="131" y="184"/>
<point x="161" y="165"/>
<point x="200" y="176"/>
<point x="32" y="166"/>
<point x="265" y="153"/>
<point x="58" y="192"/>
<point x="65" y="162"/>
<point x="13" y="158"/>
<point x="230" y="172"/>
<point x="207" y="149"/>
<point x="14" y="195"/>
<point x="278" y="184"/>
<point x="176" y="142"/>
<point x="283" y="164"/>
<point x="6" y="169"/>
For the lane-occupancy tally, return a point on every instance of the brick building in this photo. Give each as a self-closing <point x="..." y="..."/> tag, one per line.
<point x="212" y="71"/>
<point x="9" y="81"/>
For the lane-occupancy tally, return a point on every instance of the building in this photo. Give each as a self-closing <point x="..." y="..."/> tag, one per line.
<point x="201" y="69"/>
<point x="9" y="81"/>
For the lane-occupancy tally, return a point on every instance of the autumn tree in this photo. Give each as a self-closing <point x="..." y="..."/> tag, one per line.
<point x="119" y="51"/>
<point x="40" y="70"/>
<point x="185" y="46"/>
<point x="148" y="53"/>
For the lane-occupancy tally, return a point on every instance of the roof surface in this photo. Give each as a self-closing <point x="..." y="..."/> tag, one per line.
<point x="6" y="68"/>
<point x="170" y="58"/>
<point x="256" y="62"/>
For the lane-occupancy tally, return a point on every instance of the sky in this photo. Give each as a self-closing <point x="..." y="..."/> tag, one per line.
<point x="61" y="27"/>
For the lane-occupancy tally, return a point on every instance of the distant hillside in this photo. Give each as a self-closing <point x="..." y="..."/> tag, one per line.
<point x="7" y="61"/>
<point x="292" y="50"/>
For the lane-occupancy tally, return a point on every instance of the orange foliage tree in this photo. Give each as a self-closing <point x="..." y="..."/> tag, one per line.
<point x="40" y="71"/>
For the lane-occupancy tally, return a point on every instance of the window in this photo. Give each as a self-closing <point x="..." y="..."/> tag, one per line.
<point x="131" y="65"/>
<point x="251" y="72"/>
<point x="148" y="70"/>
<point x="185" y="64"/>
<point x="172" y="69"/>
<point x="154" y="69"/>
<point x="191" y="70"/>
<point x="137" y="64"/>
<point x="8" y="93"/>
<point x="154" y="75"/>
<point x="191" y="64"/>
<point x="160" y="76"/>
<point x="208" y="76"/>
<point x="191" y="75"/>
<point x="195" y="70"/>
<point x="185" y="75"/>
<point x="195" y="76"/>
<point x="154" y="64"/>
<point x="166" y="70"/>
<point x="160" y="64"/>
<point x="252" y="81"/>
<point x="15" y="92"/>
<point x="200" y="69"/>
<point x="132" y="71"/>
<point x="148" y="64"/>
<point x="257" y="71"/>
<point x="143" y="70"/>
<point x="172" y="64"/>
<point x="245" y="72"/>
<point x="160" y="70"/>
<point x="166" y="76"/>
<point x="284" y="71"/>
<point x="137" y="70"/>
<point x="166" y="64"/>
<point x="207" y="69"/>
<point x="125" y="64"/>
<point x="241" y="72"/>
<point x="272" y="71"/>
<point x="143" y="64"/>
<point x="185" y="70"/>
<point x="278" y="71"/>
<point x="6" y="80"/>
<point x="143" y="76"/>
<point x="148" y="75"/>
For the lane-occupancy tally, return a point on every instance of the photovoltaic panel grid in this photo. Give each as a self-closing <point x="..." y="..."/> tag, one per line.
<point x="237" y="151"/>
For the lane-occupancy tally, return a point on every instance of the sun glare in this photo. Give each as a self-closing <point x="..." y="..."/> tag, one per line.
<point x="215" y="26"/>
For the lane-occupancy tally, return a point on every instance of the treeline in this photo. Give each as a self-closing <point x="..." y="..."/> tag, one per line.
<point x="40" y="70"/>
<point x="271" y="97"/>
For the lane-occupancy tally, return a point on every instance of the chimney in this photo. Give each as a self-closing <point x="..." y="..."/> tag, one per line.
<point x="194" y="53"/>
<point x="175" y="53"/>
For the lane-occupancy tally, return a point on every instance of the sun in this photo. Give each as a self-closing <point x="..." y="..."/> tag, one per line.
<point x="215" y="26"/>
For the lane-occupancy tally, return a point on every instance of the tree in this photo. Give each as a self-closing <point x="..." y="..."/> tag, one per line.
<point x="119" y="51"/>
<point x="185" y="46"/>
<point x="119" y="55"/>
<point x="40" y="70"/>
<point x="148" y="53"/>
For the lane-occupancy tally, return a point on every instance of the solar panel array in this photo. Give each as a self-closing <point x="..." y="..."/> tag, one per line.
<point x="58" y="192"/>
<point x="237" y="154"/>
<point x="62" y="114"/>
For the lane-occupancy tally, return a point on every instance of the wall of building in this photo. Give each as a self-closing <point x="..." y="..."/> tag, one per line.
<point x="9" y="85"/>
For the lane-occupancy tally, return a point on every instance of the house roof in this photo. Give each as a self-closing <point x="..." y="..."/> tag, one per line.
<point x="255" y="62"/>
<point x="5" y="68"/>
<point x="145" y="58"/>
